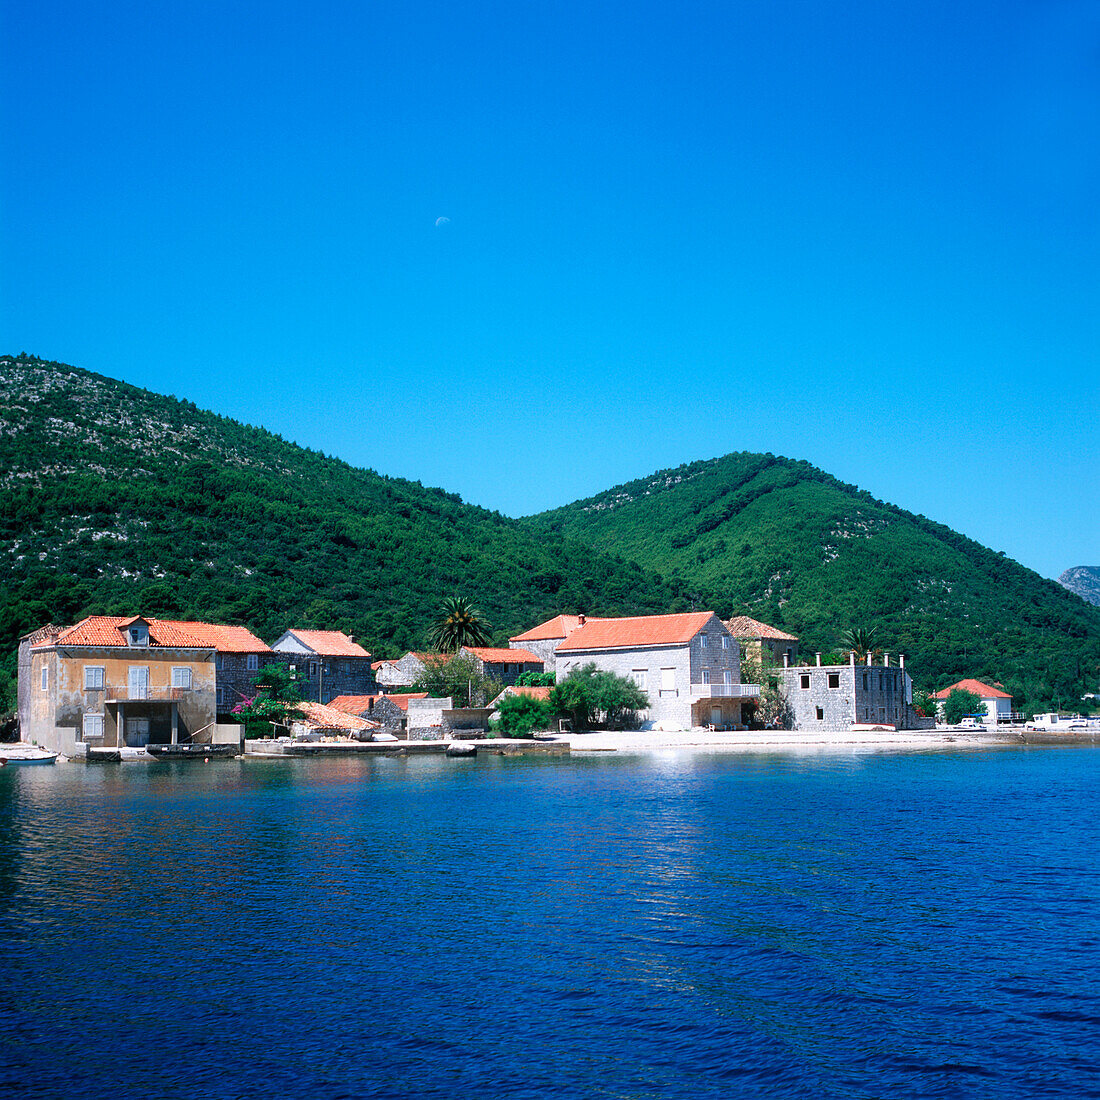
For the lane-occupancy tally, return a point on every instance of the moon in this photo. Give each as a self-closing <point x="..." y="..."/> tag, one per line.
<point x="442" y="221"/>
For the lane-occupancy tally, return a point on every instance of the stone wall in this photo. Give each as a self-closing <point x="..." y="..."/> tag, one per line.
<point x="833" y="697"/>
<point x="543" y="649"/>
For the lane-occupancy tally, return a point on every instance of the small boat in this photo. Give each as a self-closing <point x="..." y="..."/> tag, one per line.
<point x="25" y="756"/>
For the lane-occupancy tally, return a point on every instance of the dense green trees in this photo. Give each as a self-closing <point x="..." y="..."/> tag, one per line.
<point x="590" y="697"/>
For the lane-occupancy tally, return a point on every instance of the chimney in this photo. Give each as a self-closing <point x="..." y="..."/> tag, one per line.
<point x="818" y="660"/>
<point x="886" y="659"/>
<point x="581" y="619"/>
<point x="901" y="660"/>
<point x="868" y="658"/>
<point x="787" y="659"/>
<point x="852" y="657"/>
<point x="351" y="637"/>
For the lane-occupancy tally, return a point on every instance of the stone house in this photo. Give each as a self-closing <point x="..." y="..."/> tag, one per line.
<point x="836" y="697"/>
<point x="326" y="663"/>
<point x="688" y="665"/>
<point x="238" y="657"/>
<point x="997" y="701"/>
<point x="391" y="712"/>
<point x="544" y="639"/>
<point x="113" y="681"/>
<point x="406" y="670"/>
<point x="503" y="665"/>
<point x="763" y="644"/>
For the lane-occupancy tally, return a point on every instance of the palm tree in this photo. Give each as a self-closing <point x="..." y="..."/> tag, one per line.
<point x="861" y="639"/>
<point x="460" y="624"/>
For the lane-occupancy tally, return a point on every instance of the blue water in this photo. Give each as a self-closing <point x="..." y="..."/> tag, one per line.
<point x="617" y="926"/>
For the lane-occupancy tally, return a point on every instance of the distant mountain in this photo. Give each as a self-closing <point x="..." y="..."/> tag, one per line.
<point x="1084" y="580"/>
<point x="114" y="499"/>
<point x="787" y="543"/>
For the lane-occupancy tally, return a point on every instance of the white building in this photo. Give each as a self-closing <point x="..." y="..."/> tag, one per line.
<point x="688" y="664"/>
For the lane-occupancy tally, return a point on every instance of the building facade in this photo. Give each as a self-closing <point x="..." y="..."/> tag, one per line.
<point x="997" y="701"/>
<point x="836" y="697"/>
<point x="544" y="639"/>
<point x="688" y="665"/>
<point x="763" y="644"/>
<point x="503" y="665"/>
<point x="326" y="663"/>
<point x="116" y="681"/>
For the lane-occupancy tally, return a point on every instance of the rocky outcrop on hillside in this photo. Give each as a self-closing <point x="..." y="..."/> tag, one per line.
<point x="1084" y="580"/>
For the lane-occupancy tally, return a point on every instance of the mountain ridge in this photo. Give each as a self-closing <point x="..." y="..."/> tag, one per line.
<point x="1083" y="581"/>
<point x="117" y="499"/>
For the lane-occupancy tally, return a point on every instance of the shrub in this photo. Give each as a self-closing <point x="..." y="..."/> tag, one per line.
<point x="520" y="715"/>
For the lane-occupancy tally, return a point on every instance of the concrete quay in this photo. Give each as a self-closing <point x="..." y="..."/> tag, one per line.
<point x="489" y="746"/>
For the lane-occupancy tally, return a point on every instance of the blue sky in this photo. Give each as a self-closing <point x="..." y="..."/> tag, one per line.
<point x="863" y="234"/>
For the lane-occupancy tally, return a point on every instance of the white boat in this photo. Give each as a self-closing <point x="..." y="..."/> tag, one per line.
<point x="24" y="755"/>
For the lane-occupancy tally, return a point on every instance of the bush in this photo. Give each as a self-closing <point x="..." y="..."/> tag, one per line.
<point x="521" y="715"/>
<point x="590" y="697"/>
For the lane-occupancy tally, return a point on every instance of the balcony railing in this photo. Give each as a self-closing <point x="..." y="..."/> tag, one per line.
<point x="725" y="691"/>
<point x="123" y="694"/>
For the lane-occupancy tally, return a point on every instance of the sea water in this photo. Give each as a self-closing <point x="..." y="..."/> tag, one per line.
<point x="665" y="925"/>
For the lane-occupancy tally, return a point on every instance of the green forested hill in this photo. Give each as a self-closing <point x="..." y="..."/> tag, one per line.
<point x="117" y="500"/>
<point x="785" y="542"/>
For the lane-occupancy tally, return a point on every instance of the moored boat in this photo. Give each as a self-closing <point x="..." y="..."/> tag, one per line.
<point x="25" y="755"/>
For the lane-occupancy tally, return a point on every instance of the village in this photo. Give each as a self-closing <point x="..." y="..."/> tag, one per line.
<point x="116" y="686"/>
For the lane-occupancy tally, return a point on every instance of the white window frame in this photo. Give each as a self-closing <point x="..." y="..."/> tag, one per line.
<point x="92" y="681"/>
<point x="727" y="677"/>
<point x="830" y="677"/>
<point x="253" y="662"/>
<point x="641" y="677"/>
<point x="725" y="641"/>
<point x="181" y="678"/>
<point x="704" y="640"/>
<point x="45" y="677"/>
<point x="706" y="675"/>
<point x="804" y="681"/>
<point x="89" y="727"/>
<point x="668" y="679"/>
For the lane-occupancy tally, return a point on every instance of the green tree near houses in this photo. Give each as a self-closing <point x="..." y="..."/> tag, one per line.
<point x="460" y="624"/>
<point x="961" y="703"/>
<point x="522" y="715"/>
<point x="590" y="697"/>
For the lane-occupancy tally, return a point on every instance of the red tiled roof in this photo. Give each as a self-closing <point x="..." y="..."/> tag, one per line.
<point x="108" y="630"/>
<point x="492" y="656"/>
<point x="560" y="626"/>
<point x="643" y="630"/>
<point x="984" y="691"/>
<point x="523" y="689"/>
<point x="357" y="704"/>
<point x="330" y="643"/>
<point x="741" y="626"/>
<point x="320" y="717"/>
<point x="226" y="639"/>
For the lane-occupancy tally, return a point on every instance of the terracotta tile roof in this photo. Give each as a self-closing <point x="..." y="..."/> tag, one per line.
<point x="643" y="630"/>
<point x="329" y="643"/>
<point x="317" y="716"/>
<point x="226" y="639"/>
<point x="45" y="633"/>
<point x="109" y="630"/>
<point x="523" y="689"/>
<point x="560" y="626"/>
<point x="976" y="686"/>
<point x="741" y="626"/>
<point x="357" y="704"/>
<point x="492" y="656"/>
